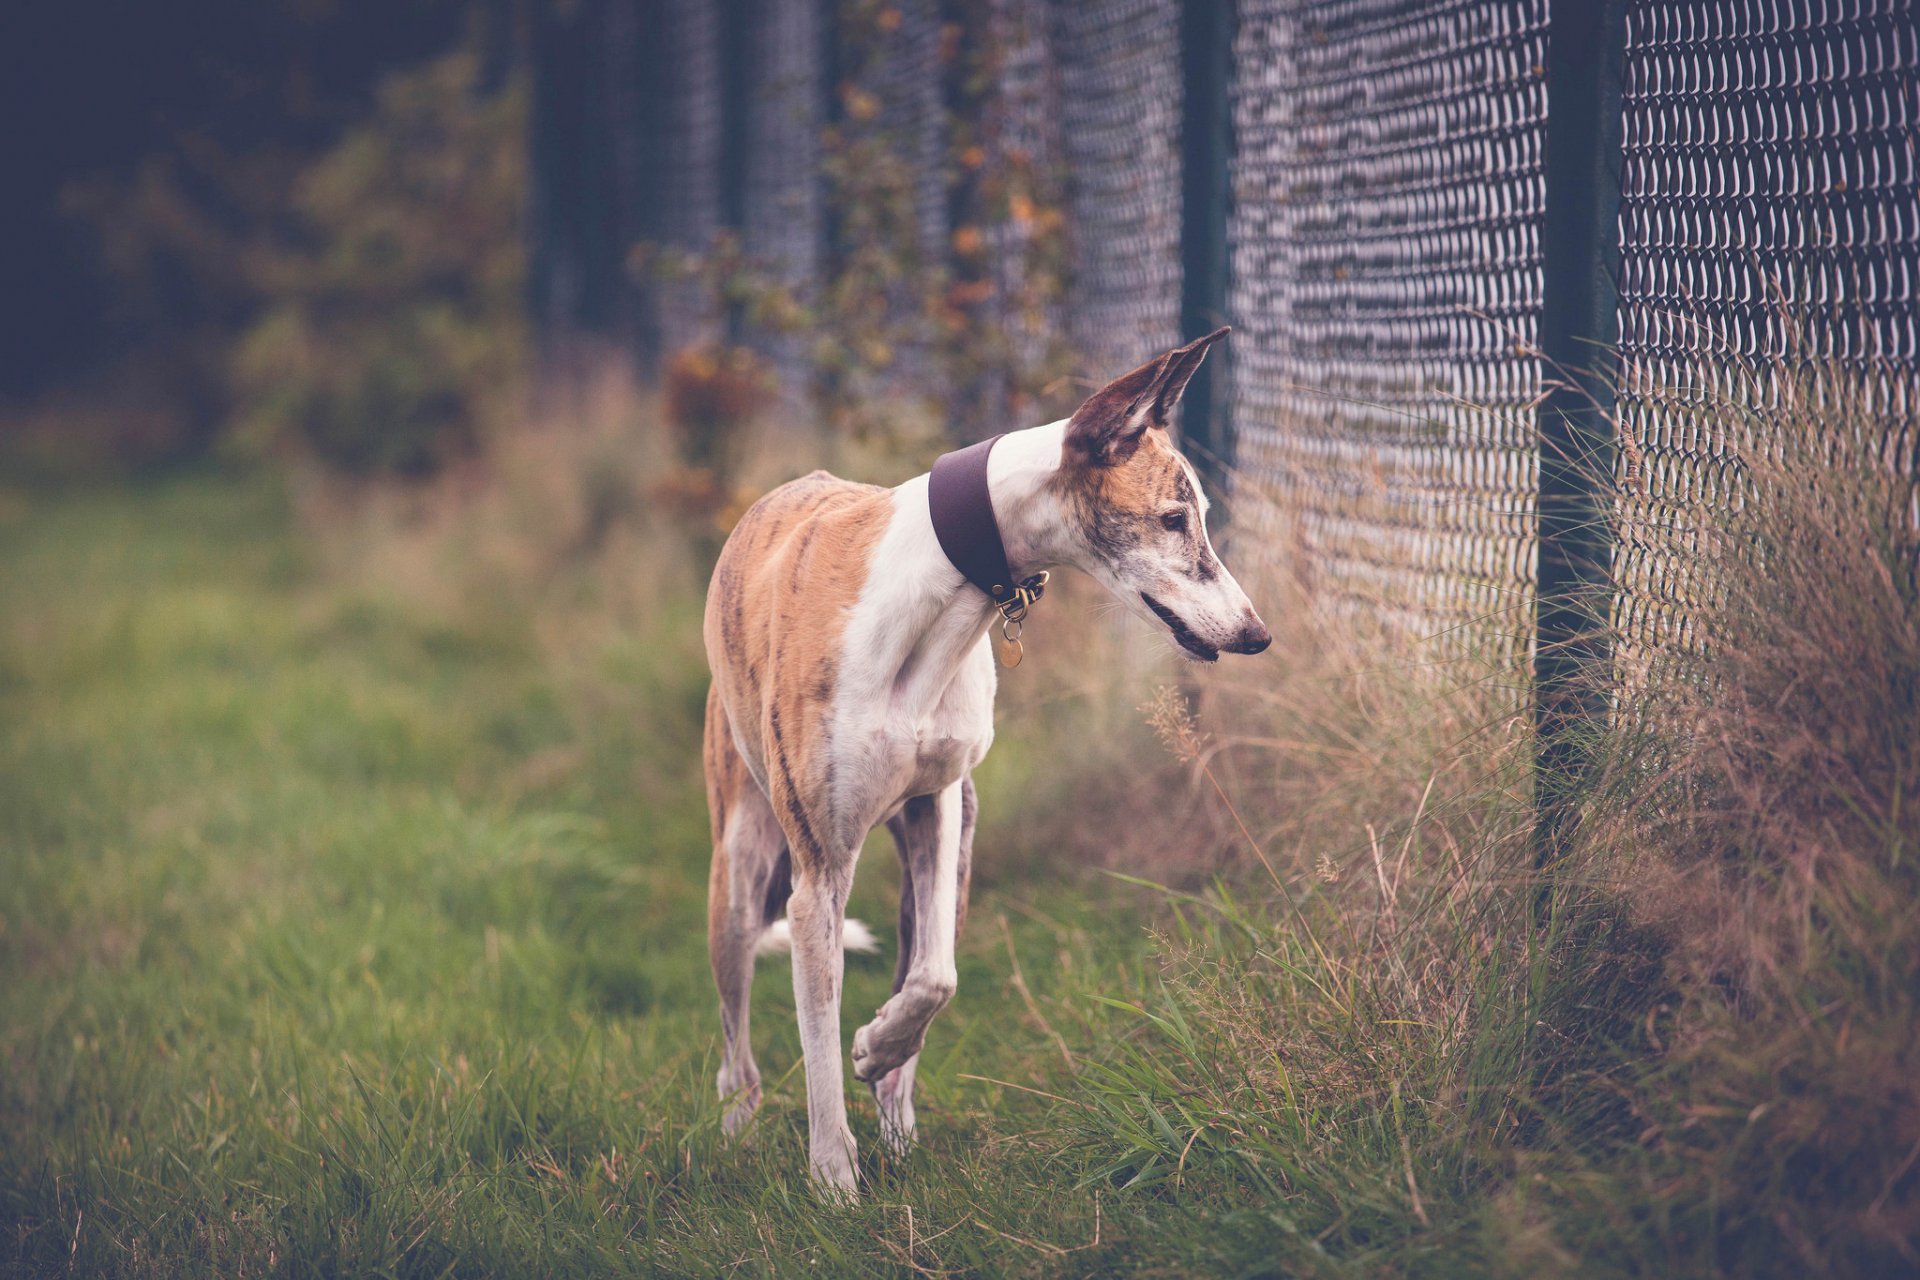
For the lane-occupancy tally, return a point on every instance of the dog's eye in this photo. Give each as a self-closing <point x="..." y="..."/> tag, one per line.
<point x="1174" y="521"/>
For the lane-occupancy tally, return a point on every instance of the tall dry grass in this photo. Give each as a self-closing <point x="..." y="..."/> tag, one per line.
<point x="1359" y="1019"/>
<point x="1702" y="1057"/>
<point x="1756" y="809"/>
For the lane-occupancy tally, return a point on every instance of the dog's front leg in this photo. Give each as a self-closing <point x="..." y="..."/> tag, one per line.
<point x="930" y="830"/>
<point x="818" y="909"/>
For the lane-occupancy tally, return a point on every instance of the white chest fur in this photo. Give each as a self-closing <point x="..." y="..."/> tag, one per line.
<point x="913" y="710"/>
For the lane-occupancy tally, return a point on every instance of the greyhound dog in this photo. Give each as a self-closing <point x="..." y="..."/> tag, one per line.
<point x="847" y="627"/>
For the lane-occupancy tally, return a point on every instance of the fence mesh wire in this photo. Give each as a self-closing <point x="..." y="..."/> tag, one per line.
<point x="892" y="61"/>
<point x="1770" y="219"/>
<point x="1021" y="135"/>
<point x="786" y="96"/>
<point x="1386" y="277"/>
<point x="1119" y="68"/>
<point x="690" y="31"/>
<point x="1385" y="239"/>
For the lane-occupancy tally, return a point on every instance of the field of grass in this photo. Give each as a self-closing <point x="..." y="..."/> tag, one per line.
<point x="332" y="944"/>
<point x="335" y="944"/>
<point x="348" y="928"/>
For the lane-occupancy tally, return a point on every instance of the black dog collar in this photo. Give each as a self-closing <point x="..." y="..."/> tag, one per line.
<point x="964" y="523"/>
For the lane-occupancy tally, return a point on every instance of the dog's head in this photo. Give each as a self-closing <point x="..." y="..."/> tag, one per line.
<point x="1135" y="509"/>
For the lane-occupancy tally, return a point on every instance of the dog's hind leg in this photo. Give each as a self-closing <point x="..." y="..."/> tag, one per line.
<point x="746" y="893"/>
<point x="935" y="838"/>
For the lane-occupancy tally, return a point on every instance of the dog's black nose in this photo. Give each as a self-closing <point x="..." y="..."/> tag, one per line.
<point x="1253" y="638"/>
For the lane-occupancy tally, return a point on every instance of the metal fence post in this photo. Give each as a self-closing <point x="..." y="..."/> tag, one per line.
<point x="1206" y="149"/>
<point x="1578" y="331"/>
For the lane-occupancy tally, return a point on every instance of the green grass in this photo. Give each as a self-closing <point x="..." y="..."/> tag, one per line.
<point x="316" y="961"/>
<point x="343" y="932"/>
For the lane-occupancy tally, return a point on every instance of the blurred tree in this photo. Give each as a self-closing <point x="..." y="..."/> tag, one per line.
<point x="152" y="148"/>
<point x="392" y="328"/>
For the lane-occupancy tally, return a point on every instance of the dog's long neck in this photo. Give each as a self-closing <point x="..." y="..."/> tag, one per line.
<point x="918" y="619"/>
<point x="1020" y="475"/>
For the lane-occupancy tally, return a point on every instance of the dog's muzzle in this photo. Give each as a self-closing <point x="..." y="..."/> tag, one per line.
<point x="1182" y="633"/>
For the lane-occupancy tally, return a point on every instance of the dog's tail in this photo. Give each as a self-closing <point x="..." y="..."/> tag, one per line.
<point x="778" y="939"/>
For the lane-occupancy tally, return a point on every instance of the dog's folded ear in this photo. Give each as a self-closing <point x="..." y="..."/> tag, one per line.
<point x="1106" y="429"/>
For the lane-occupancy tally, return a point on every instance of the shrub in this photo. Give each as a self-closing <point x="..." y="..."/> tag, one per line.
<point x="391" y="331"/>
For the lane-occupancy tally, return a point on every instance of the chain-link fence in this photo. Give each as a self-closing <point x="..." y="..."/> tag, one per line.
<point x="1392" y="256"/>
<point x="1387" y="280"/>
<point x="899" y="170"/>
<point x="1769" y="216"/>
<point x="1119" y="68"/>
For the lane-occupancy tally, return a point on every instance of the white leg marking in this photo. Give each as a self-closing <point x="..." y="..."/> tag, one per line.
<point x="819" y="967"/>
<point x="940" y="929"/>
<point x="894" y="1093"/>
<point x="898" y="1030"/>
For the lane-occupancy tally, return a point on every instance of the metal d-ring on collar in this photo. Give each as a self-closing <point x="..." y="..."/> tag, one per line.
<point x="964" y="522"/>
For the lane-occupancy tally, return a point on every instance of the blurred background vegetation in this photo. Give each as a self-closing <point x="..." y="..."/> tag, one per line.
<point x="352" y="841"/>
<point x="261" y="228"/>
<point x="328" y="232"/>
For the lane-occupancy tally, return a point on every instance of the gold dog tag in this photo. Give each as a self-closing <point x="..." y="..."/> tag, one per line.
<point x="1013" y="617"/>
<point x="1006" y="644"/>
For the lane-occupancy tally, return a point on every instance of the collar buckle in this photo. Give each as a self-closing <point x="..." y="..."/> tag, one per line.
<point x="1013" y="613"/>
<point x="1013" y="610"/>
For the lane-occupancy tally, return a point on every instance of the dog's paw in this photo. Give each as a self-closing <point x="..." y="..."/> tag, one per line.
<point x="893" y="1092"/>
<point x="863" y="1060"/>
<point x="740" y="1115"/>
<point x="832" y="1164"/>
<point x="882" y="1045"/>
